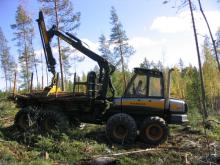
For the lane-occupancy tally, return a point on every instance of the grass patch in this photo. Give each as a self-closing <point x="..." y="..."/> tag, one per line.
<point x="77" y="145"/>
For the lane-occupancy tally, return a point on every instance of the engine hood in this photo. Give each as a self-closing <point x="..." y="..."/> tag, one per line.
<point x="177" y="106"/>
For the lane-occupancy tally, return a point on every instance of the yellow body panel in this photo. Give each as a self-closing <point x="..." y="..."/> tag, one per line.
<point x="44" y="32"/>
<point x="54" y="89"/>
<point x="152" y="104"/>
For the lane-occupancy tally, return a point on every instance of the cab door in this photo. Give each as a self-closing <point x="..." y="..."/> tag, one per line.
<point x="146" y="99"/>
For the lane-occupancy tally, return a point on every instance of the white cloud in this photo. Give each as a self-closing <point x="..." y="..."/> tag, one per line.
<point x="182" y="22"/>
<point x="145" y="48"/>
<point x="90" y="45"/>
<point x="167" y="51"/>
<point x="170" y="24"/>
<point x="140" y="42"/>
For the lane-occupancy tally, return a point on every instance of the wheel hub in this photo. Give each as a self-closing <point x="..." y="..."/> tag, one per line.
<point x="120" y="132"/>
<point x="25" y="121"/>
<point x="50" y="125"/>
<point x="154" y="132"/>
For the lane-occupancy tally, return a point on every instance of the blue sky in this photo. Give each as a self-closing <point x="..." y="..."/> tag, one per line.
<point x="157" y="31"/>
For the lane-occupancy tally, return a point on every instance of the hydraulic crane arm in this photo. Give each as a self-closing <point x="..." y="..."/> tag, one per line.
<point x="77" y="44"/>
<point x="106" y="69"/>
<point x="45" y="39"/>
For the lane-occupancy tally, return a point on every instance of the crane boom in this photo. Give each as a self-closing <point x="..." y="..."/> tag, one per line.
<point x="106" y="68"/>
<point x="45" y="39"/>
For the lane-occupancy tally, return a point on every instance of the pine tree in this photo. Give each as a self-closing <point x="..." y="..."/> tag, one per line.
<point x="218" y="42"/>
<point x="211" y="75"/>
<point x="178" y="83"/>
<point x="210" y="33"/>
<point x="6" y="61"/>
<point x="181" y="64"/>
<point x="23" y="33"/>
<point x="104" y="48"/>
<point x="35" y="60"/>
<point x="145" y="64"/>
<point x="152" y="65"/>
<point x="160" y="65"/>
<point x="119" y="41"/>
<point x="62" y="15"/>
<point x="193" y="90"/>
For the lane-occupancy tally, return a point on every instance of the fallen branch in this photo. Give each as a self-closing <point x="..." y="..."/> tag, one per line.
<point x="127" y="153"/>
<point x="4" y="141"/>
<point x="7" y="118"/>
<point x="211" y="120"/>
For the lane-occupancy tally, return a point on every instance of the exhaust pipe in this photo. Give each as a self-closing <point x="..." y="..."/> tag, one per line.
<point x="168" y="89"/>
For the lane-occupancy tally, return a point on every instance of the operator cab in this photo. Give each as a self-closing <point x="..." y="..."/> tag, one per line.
<point x="145" y="83"/>
<point x="144" y="95"/>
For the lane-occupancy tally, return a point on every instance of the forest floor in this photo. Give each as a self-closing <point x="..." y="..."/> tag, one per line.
<point x="185" y="144"/>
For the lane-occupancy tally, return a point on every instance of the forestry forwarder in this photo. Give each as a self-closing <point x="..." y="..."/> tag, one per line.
<point x="142" y="110"/>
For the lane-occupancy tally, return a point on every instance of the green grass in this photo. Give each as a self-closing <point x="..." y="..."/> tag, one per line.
<point x="79" y="145"/>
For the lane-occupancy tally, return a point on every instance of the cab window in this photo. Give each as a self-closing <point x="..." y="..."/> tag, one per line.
<point x="155" y="87"/>
<point x="138" y="87"/>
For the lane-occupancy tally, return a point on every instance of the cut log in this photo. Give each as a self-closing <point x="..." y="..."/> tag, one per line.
<point x="102" y="161"/>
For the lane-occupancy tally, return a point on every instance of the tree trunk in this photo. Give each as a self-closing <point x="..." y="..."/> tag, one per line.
<point x="210" y="32"/>
<point x="200" y="65"/>
<point x="42" y="72"/>
<point x="26" y="65"/>
<point x="6" y="84"/>
<point x="59" y="48"/>
<point x="123" y="67"/>
<point x="15" y="81"/>
<point x="26" y="60"/>
<point x="35" y="64"/>
<point x="47" y="76"/>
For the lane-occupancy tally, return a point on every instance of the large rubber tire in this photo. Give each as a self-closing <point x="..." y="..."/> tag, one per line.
<point x="25" y="119"/>
<point x="154" y="131"/>
<point x="74" y="123"/>
<point x="121" y="129"/>
<point x="52" y="122"/>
